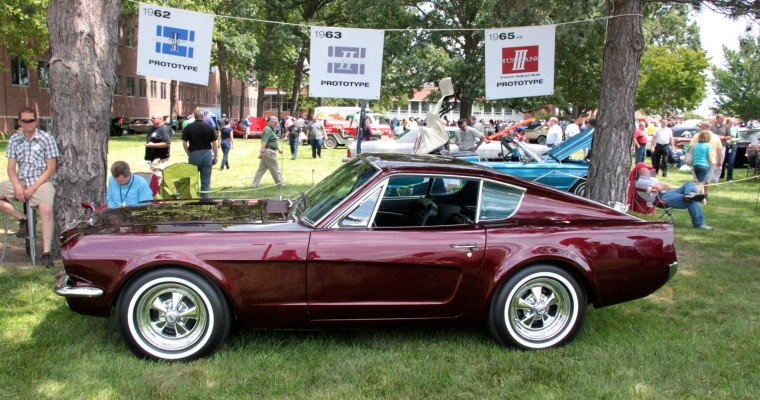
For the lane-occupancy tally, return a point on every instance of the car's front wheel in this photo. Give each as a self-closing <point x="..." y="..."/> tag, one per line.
<point x="539" y="307"/>
<point x="541" y="139"/>
<point x="330" y="143"/>
<point x="172" y="314"/>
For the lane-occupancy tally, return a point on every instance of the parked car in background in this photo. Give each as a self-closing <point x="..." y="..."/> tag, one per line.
<point x="118" y="126"/>
<point x="385" y="240"/>
<point x="139" y="125"/>
<point x="537" y="134"/>
<point x="746" y="137"/>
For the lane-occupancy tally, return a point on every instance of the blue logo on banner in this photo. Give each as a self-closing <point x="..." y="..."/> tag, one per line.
<point x="174" y="41"/>
<point x="346" y="60"/>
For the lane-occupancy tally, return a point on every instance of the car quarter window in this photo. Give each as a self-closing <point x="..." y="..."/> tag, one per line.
<point x="499" y="201"/>
<point x="362" y="214"/>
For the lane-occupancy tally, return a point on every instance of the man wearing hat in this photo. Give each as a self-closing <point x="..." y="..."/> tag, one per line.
<point x="684" y="197"/>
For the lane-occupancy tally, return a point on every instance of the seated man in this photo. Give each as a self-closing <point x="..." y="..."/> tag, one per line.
<point x="685" y="196"/>
<point x="126" y="188"/>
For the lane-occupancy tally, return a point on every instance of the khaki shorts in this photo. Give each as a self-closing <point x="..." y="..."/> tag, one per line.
<point x="44" y="194"/>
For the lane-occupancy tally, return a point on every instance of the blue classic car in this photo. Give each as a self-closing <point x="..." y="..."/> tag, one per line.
<point x="563" y="167"/>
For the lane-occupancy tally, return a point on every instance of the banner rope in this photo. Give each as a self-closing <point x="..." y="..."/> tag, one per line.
<point x="298" y="25"/>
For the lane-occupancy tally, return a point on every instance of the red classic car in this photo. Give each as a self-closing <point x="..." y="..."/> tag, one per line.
<point x="387" y="239"/>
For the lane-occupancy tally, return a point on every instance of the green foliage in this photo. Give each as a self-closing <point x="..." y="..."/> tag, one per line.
<point x="738" y="85"/>
<point x="671" y="80"/>
<point x="23" y="28"/>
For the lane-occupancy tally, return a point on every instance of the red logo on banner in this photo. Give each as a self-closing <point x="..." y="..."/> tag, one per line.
<point x="518" y="60"/>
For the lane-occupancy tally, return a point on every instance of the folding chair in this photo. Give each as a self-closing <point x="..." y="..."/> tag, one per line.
<point x="637" y="201"/>
<point x="180" y="181"/>
<point x="30" y="240"/>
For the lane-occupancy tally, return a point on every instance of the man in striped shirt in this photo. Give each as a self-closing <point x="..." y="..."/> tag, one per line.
<point x="32" y="155"/>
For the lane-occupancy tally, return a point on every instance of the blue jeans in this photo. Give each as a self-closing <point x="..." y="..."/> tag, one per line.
<point x="204" y="160"/>
<point x="675" y="199"/>
<point x="316" y="148"/>
<point x="225" y="151"/>
<point x="700" y="171"/>
<point x="641" y="153"/>
<point x="293" y="142"/>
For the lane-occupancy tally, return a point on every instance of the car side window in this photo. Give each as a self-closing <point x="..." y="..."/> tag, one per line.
<point x="499" y="201"/>
<point x="360" y="216"/>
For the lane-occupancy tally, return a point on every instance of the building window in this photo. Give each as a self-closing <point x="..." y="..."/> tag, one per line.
<point x="143" y="88"/>
<point x="425" y="106"/>
<point x="19" y="72"/>
<point x="43" y="74"/>
<point x="130" y="39"/>
<point x="117" y="86"/>
<point x="163" y="90"/>
<point x="153" y="89"/>
<point x="131" y="86"/>
<point x="415" y="107"/>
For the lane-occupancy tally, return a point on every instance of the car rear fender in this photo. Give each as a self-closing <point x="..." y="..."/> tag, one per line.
<point x="569" y="261"/>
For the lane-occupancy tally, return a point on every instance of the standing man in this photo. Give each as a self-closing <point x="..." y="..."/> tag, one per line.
<point x="125" y="188"/>
<point x="554" y="136"/>
<point x="157" y="144"/>
<point x="467" y="135"/>
<point x="724" y="134"/>
<point x="660" y="142"/>
<point x="268" y="155"/>
<point x="198" y="139"/>
<point x="316" y="135"/>
<point x="572" y="129"/>
<point x="32" y="157"/>
<point x="207" y="119"/>
<point x="640" y="139"/>
<point x="477" y="125"/>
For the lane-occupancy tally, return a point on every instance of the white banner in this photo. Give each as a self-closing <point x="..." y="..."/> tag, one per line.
<point x="346" y="63"/>
<point x="519" y="62"/>
<point x="174" y="44"/>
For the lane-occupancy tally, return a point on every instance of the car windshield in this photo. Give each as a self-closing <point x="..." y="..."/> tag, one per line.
<point x="330" y="192"/>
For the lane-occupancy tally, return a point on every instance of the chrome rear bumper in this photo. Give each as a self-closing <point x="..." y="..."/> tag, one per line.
<point x="62" y="288"/>
<point x="672" y="269"/>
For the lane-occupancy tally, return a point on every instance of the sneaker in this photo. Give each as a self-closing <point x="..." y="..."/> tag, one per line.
<point x="23" y="228"/>
<point x="705" y="227"/>
<point x="694" y="196"/>
<point x="46" y="260"/>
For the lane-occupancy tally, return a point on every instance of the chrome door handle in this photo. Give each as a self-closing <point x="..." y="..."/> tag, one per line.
<point x="472" y="246"/>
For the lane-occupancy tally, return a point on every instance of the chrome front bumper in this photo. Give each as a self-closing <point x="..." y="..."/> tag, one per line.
<point x="672" y="269"/>
<point x="62" y="288"/>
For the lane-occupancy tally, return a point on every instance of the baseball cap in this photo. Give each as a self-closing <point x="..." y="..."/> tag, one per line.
<point x="642" y="165"/>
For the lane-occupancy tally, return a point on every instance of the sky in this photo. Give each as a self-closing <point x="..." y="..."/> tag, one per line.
<point x="715" y="32"/>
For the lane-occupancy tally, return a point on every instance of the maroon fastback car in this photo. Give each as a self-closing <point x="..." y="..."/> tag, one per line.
<point x="387" y="239"/>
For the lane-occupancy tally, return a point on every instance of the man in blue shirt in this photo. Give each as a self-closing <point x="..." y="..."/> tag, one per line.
<point x="126" y="188"/>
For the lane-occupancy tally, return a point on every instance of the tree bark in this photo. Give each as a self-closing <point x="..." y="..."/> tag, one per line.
<point x="242" y="113"/>
<point x="611" y="157"/>
<point x="174" y="99"/>
<point x="224" y="87"/>
<point x="297" y="78"/>
<point x="83" y="46"/>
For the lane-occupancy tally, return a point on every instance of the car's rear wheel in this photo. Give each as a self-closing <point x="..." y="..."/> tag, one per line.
<point x="172" y="314"/>
<point x="579" y="188"/>
<point x="539" y="307"/>
<point x="330" y="143"/>
<point x="541" y="139"/>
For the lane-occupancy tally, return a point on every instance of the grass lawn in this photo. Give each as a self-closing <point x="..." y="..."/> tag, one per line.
<point x="698" y="337"/>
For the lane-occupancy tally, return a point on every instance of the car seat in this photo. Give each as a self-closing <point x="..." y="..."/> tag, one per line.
<point x="423" y="212"/>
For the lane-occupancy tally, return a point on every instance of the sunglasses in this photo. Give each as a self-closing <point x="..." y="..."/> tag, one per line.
<point x="28" y="121"/>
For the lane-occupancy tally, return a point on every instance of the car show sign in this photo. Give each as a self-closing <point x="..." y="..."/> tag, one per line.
<point x="174" y="44"/>
<point x="519" y="62"/>
<point x="346" y="63"/>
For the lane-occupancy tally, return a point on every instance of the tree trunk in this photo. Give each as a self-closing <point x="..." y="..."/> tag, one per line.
<point x="297" y="78"/>
<point x="611" y="162"/>
<point x="242" y="100"/>
<point x="224" y="87"/>
<point x="83" y="46"/>
<point x="174" y="99"/>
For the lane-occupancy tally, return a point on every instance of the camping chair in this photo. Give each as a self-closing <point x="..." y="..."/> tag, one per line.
<point x="152" y="179"/>
<point x="637" y="201"/>
<point x="180" y="181"/>
<point x="30" y="240"/>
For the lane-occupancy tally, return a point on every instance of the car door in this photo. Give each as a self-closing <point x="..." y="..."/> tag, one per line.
<point x="359" y="271"/>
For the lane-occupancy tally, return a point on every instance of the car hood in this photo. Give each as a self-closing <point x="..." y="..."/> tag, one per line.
<point x="569" y="147"/>
<point x="185" y="213"/>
